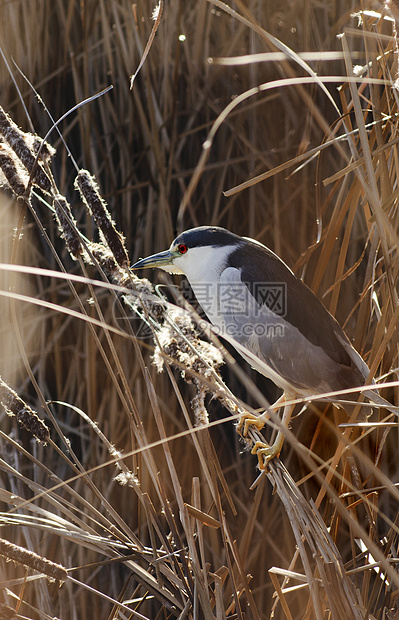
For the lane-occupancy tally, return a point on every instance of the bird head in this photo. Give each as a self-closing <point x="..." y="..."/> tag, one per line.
<point x="199" y="253"/>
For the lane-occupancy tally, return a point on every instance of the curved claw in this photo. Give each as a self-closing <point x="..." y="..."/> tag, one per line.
<point x="247" y="420"/>
<point x="266" y="453"/>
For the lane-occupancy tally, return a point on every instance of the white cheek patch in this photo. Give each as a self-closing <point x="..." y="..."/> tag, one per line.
<point x="203" y="264"/>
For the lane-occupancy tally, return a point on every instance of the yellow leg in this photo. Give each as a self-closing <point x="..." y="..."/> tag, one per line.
<point x="264" y="451"/>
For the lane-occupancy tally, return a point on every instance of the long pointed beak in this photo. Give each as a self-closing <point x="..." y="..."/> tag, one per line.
<point x="164" y="260"/>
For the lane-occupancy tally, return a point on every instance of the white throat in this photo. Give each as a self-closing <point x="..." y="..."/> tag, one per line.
<point x="203" y="267"/>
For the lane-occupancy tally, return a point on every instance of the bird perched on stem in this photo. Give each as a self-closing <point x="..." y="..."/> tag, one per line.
<point x="250" y="295"/>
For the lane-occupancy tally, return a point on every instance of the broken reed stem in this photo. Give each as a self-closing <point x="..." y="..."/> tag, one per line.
<point x="20" y="555"/>
<point x="27" y="418"/>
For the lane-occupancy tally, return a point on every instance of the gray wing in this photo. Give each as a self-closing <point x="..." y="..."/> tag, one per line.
<point x="287" y="357"/>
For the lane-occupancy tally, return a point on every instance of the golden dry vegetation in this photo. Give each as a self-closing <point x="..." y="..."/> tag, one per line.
<point x="148" y="510"/>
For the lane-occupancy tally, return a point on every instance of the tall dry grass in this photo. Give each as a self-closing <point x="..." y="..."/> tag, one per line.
<point x="181" y="532"/>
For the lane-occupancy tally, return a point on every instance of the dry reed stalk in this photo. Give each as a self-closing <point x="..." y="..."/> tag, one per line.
<point x="145" y="150"/>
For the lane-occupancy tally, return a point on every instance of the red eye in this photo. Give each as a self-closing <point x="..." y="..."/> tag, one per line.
<point x="182" y="248"/>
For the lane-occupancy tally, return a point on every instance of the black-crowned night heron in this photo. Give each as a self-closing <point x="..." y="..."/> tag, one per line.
<point x="250" y="295"/>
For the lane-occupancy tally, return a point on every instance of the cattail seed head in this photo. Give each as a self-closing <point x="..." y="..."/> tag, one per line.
<point x="39" y="146"/>
<point x="19" y="142"/>
<point x="20" y="555"/>
<point x="15" y="177"/>
<point x="27" y="418"/>
<point x="90" y="194"/>
<point x="67" y="225"/>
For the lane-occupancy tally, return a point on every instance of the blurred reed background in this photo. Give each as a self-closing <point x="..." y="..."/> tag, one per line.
<point x="332" y="220"/>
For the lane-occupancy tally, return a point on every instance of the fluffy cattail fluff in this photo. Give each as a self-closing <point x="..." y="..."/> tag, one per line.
<point x="104" y="256"/>
<point x="184" y="346"/>
<point x="20" y="555"/>
<point x="19" y="142"/>
<point x="90" y="194"/>
<point x="28" y="419"/>
<point x="67" y="225"/>
<point x="41" y="148"/>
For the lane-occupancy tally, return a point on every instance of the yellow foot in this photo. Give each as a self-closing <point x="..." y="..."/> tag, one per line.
<point x="247" y="420"/>
<point x="266" y="453"/>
